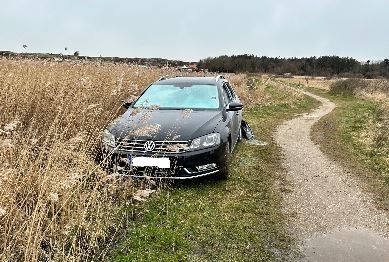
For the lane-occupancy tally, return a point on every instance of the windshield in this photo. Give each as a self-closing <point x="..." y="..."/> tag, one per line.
<point x="180" y="97"/>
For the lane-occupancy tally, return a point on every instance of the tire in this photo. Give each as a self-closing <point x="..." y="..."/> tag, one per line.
<point x="224" y="163"/>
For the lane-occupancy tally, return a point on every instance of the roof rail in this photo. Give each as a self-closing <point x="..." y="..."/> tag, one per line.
<point x="219" y="77"/>
<point x="163" y="78"/>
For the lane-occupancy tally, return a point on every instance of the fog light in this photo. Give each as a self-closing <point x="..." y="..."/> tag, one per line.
<point x="206" y="167"/>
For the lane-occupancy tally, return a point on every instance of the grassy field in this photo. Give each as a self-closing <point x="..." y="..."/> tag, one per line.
<point x="357" y="133"/>
<point x="235" y="220"/>
<point x="57" y="204"/>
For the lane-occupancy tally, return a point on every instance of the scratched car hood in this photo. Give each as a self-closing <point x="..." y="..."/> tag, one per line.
<point x="170" y="125"/>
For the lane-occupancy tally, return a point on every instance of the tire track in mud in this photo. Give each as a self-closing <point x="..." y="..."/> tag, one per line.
<point x="327" y="211"/>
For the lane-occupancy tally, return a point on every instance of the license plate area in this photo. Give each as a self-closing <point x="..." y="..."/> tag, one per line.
<point x="142" y="161"/>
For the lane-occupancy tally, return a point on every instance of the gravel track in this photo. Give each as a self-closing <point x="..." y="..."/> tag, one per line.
<point x="329" y="214"/>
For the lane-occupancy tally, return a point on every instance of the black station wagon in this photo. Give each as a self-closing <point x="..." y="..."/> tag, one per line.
<point x="178" y="128"/>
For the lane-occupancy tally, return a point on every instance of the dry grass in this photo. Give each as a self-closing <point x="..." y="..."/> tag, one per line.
<point x="251" y="90"/>
<point x="316" y="82"/>
<point x="254" y="90"/>
<point x="376" y="89"/>
<point x="55" y="202"/>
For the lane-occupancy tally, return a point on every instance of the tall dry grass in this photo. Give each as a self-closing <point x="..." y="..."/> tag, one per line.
<point x="251" y="90"/>
<point x="375" y="89"/>
<point x="55" y="202"/>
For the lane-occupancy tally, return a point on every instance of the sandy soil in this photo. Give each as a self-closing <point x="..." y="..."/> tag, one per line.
<point x="328" y="212"/>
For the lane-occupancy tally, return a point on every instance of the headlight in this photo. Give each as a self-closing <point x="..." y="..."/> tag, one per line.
<point x="108" y="139"/>
<point x="205" y="141"/>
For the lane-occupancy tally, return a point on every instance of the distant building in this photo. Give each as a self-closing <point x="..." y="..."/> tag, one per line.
<point x="192" y="67"/>
<point x="288" y="75"/>
<point x="185" y="68"/>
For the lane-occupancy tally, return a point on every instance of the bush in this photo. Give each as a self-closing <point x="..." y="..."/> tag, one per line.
<point x="348" y="86"/>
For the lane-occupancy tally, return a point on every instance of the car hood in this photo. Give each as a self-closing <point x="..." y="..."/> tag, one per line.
<point x="170" y="125"/>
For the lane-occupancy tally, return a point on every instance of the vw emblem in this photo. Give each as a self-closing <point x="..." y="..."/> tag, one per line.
<point x="149" y="146"/>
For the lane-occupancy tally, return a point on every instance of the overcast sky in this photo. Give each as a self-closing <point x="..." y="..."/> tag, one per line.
<point x="191" y="30"/>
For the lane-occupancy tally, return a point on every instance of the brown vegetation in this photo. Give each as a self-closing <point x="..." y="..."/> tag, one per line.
<point x="54" y="200"/>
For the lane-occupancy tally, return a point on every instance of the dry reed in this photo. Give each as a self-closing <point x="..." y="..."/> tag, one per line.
<point x="55" y="202"/>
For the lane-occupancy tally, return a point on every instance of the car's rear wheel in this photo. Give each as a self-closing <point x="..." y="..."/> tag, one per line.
<point x="224" y="162"/>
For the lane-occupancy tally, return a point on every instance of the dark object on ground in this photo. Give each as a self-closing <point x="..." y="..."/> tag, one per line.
<point x="247" y="132"/>
<point x="178" y="128"/>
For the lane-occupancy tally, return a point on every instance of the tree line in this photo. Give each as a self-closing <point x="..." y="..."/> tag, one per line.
<point x="312" y="66"/>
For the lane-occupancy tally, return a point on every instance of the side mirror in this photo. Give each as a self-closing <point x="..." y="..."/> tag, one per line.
<point x="127" y="104"/>
<point x="234" y="106"/>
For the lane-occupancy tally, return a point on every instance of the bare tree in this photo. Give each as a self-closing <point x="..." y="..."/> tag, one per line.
<point x="386" y="62"/>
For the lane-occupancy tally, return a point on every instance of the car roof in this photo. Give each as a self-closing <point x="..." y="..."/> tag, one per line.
<point x="191" y="80"/>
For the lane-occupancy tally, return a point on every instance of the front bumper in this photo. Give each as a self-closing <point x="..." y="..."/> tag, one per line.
<point x="185" y="165"/>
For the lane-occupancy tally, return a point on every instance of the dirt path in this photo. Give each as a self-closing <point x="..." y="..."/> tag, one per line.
<point x="328" y="212"/>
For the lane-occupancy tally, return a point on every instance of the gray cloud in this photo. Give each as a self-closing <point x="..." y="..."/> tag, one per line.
<point x="197" y="29"/>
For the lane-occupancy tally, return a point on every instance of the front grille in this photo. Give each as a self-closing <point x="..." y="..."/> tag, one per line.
<point x="172" y="147"/>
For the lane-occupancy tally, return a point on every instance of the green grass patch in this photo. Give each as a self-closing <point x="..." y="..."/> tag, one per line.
<point x="357" y="123"/>
<point x="355" y="134"/>
<point x="238" y="219"/>
<point x="357" y="126"/>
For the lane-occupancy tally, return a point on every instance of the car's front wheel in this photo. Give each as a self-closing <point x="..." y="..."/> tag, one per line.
<point x="224" y="162"/>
